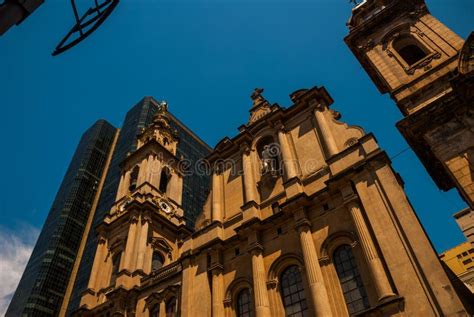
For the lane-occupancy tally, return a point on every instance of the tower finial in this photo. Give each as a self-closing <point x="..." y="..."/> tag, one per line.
<point x="257" y="97"/>
<point x="162" y="107"/>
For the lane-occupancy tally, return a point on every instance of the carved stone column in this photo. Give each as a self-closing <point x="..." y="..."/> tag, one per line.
<point x="217" y="196"/>
<point x="289" y="159"/>
<point x="217" y="291"/>
<point x="318" y="290"/>
<point x="326" y="134"/>
<point x="262" y="303"/>
<point x="382" y="285"/>
<point x="249" y="177"/>
<point x="130" y="246"/>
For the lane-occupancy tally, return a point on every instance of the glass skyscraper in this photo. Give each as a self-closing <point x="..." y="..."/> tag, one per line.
<point x="44" y="281"/>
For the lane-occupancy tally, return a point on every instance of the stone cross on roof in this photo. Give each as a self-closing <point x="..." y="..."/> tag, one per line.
<point x="257" y="97"/>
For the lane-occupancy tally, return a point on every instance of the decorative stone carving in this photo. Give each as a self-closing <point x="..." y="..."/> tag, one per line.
<point x="260" y="108"/>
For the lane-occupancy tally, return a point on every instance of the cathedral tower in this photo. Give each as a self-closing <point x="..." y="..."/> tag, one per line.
<point x="415" y="58"/>
<point x="143" y="229"/>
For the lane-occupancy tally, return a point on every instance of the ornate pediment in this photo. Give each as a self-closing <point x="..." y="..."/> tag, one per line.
<point x="162" y="245"/>
<point x="261" y="107"/>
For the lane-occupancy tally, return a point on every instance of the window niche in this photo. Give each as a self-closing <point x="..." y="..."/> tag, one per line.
<point x="157" y="261"/>
<point x="409" y="48"/>
<point x="162" y="253"/>
<point x="115" y="268"/>
<point x="269" y="155"/>
<point x="134" y="178"/>
<point x="165" y="178"/>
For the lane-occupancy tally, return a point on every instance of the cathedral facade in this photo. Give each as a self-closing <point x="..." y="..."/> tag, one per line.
<point x="305" y="217"/>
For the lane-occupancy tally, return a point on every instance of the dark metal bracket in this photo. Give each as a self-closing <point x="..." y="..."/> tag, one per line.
<point x="86" y="24"/>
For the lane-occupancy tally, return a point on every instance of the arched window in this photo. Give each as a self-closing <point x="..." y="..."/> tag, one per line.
<point x="164" y="179"/>
<point x="115" y="268"/>
<point x="244" y="304"/>
<point x="134" y="178"/>
<point x="409" y="49"/>
<point x="171" y="309"/>
<point x="351" y="282"/>
<point x="157" y="261"/>
<point x="292" y="292"/>
<point x="155" y="311"/>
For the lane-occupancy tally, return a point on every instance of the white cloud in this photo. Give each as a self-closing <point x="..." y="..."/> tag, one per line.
<point x="15" y="250"/>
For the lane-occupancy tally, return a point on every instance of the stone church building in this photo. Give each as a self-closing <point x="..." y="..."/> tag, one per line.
<point x="428" y="70"/>
<point x="305" y="217"/>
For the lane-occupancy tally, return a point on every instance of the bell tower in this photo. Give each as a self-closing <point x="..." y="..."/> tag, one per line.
<point x="415" y="58"/>
<point x="145" y="227"/>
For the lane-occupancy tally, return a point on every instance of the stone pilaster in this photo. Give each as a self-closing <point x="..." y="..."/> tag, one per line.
<point x="326" y="136"/>
<point x="127" y="262"/>
<point x="318" y="290"/>
<point x="289" y="158"/>
<point x="142" y="243"/>
<point x="124" y="185"/>
<point x="100" y="255"/>
<point x="142" y="172"/>
<point x="249" y="177"/>
<point x="156" y="172"/>
<point x="149" y="168"/>
<point x="382" y="285"/>
<point x="217" y="196"/>
<point x="217" y="290"/>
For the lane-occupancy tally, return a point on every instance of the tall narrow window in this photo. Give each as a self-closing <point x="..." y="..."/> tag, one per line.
<point x="292" y="292"/>
<point x="351" y="282"/>
<point x="164" y="179"/>
<point x="134" y="178"/>
<point x="409" y="49"/>
<point x="155" y="311"/>
<point x="157" y="261"/>
<point x="244" y="304"/>
<point x="171" y="309"/>
<point x="115" y="268"/>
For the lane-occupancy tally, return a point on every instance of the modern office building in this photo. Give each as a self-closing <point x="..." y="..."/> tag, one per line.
<point x="43" y="284"/>
<point x="465" y="221"/>
<point x="460" y="261"/>
<point x="196" y="186"/>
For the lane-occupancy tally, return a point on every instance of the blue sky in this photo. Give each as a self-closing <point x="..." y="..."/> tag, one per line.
<point x="204" y="57"/>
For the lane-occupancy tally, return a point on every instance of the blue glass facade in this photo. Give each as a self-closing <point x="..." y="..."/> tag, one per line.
<point x="44" y="281"/>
